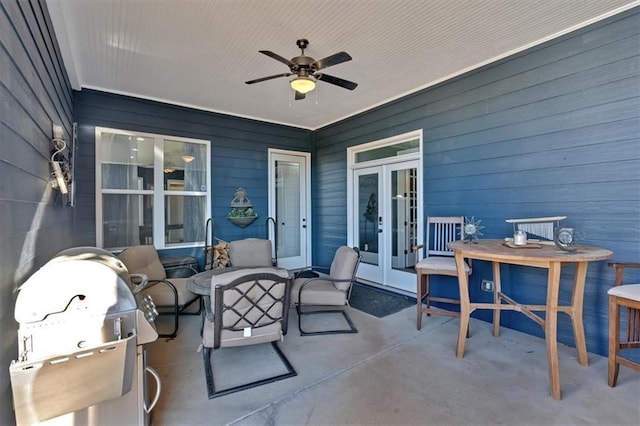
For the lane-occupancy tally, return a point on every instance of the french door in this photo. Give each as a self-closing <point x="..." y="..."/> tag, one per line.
<point x="385" y="221"/>
<point x="289" y="206"/>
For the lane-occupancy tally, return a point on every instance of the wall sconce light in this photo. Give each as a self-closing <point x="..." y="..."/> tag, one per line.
<point x="60" y="168"/>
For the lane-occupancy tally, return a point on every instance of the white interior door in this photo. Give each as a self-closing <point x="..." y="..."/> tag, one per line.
<point x="385" y="222"/>
<point x="289" y="180"/>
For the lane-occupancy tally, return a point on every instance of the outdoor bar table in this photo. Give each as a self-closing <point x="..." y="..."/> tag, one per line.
<point x="542" y="255"/>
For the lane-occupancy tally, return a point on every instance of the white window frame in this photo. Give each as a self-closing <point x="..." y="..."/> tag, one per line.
<point x="158" y="192"/>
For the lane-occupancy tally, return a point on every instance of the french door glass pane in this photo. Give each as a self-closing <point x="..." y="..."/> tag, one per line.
<point x="288" y="208"/>
<point x="127" y="219"/>
<point x="403" y="217"/>
<point x="368" y="217"/>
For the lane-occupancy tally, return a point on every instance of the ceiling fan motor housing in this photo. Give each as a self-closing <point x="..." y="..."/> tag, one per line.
<point x="306" y="68"/>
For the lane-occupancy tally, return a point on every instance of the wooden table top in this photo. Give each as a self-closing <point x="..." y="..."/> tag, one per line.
<point x="543" y="251"/>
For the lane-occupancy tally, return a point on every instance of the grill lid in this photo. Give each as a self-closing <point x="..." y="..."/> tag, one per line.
<point x="81" y="280"/>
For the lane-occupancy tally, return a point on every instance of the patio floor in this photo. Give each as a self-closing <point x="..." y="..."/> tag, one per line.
<point x="391" y="374"/>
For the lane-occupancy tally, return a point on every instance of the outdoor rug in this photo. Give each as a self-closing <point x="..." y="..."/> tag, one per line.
<point x="378" y="302"/>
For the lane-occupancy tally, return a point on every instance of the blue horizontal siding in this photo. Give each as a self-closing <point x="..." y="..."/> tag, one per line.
<point x="554" y="130"/>
<point x="35" y="93"/>
<point x="239" y="151"/>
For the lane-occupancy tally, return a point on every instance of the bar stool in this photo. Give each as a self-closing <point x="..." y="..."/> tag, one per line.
<point x="627" y="296"/>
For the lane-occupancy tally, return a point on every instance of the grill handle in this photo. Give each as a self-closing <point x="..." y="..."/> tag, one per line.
<point x="156" y="376"/>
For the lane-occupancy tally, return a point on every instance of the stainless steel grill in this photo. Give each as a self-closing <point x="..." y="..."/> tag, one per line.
<point x="81" y="333"/>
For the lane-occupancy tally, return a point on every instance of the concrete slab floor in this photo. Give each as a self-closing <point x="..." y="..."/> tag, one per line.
<point x="391" y="374"/>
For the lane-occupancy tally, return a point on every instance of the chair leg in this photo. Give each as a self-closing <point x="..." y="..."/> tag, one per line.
<point x="196" y="300"/>
<point x="614" y="341"/>
<point x="352" y="328"/>
<point x="208" y="372"/>
<point x="174" y="333"/>
<point x="427" y="293"/>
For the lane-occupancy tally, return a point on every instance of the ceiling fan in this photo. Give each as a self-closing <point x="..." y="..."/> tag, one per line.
<point x="305" y="69"/>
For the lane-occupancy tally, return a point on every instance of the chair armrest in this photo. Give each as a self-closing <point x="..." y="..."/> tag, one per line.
<point x="620" y="267"/>
<point x="139" y="282"/>
<point x="417" y="248"/>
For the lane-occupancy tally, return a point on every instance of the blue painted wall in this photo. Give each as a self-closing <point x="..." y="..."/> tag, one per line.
<point x="554" y="130"/>
<point x="239" y="155"/>
<point x="34" y="93"/>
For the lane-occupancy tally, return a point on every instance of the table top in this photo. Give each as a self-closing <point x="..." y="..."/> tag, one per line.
<point x="201" y="283"/>
<point x="544" y="251"/>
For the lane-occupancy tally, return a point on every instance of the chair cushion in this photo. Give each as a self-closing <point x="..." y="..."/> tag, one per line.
<point x="440" y="263"/>
<point x="343" y="266"/>
<point x="143" y="260"/>
<point x="269" y="333"/>
<point x="319" y="292"/>
<point x="250" y="252"/>
<point x="627" y="291"/>
<point x="243" y="306"/>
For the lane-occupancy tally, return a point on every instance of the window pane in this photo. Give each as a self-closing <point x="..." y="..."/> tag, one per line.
<point x="127" y="220"/>
<point x="184" y="219"/>
<point x="187" y="162"/>
<point x="402" y="148"/>
<point x="127" y="161"/>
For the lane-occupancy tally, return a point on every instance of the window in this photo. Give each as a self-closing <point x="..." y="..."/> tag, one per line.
<point x="150" y="189"/>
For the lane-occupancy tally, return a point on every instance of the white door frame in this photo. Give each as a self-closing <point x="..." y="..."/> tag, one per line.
<point x="399" y="279"/>
<point x="305" y="207"/>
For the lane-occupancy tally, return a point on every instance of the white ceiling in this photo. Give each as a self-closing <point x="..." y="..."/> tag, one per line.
<point x="199" y="53"/>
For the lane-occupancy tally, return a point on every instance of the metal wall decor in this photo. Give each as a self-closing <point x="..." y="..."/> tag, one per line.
<point x="470" y="231"/>
<point x="547" y="228"/>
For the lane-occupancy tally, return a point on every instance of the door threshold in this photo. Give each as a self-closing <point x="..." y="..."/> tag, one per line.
<point x="387" y="288"/>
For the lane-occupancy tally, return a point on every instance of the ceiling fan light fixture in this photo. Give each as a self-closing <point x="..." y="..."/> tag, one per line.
<point x="303" y="84"/>
<point x="188" y="158"/>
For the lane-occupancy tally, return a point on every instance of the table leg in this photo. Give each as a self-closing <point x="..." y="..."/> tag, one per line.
<point x="551" y="328"/>
<point x="576" y="312"/>
<point x="465" y="308"/>
<point x="496" y="298"/>
<point x="419" y="295"/>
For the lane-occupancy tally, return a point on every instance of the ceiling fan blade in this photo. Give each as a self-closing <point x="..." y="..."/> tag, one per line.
<point x="258" y="80"/>
<point x="300" y="95"/>
<point x="337" y="81"/>
<point x="277" y="57"/>
<point x="329" y="61"/>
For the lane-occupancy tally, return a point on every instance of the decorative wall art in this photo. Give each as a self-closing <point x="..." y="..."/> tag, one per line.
<point x="241" y="213"/>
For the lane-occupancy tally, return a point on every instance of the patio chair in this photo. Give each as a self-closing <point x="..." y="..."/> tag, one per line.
<point x="439" y="260"/>
<point x="250" y="253"/>
<point x="170" y="295"/>
<point x="332" y="289"/>
<point x="250" y="307"/>
<point x="623" y="295"/>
